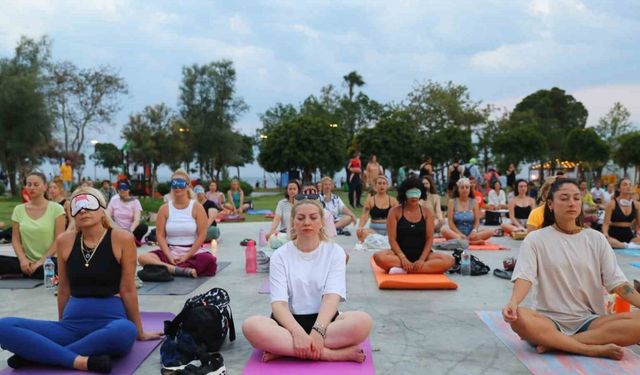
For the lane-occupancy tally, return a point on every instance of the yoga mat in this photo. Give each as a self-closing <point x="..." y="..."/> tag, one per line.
<point x="20" y="283"/>
<point x="279" y="366"/>
<point x="265" y="288"/>
<point x="259" y="212"/>
<point x="179" y="285"/>
<point x="635" y="264"/>
<point x="410" y="281"/>
<point x="557" y="362"/>
<point x="151" y="321"/>
<point x="628" y="252"/>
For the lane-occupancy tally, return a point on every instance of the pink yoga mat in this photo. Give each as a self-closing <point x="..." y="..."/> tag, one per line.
<point x="255" y="366"/>
<point x="557" y="363"/>
<point x="151" y="321"/>
<point x="265" y="288"/>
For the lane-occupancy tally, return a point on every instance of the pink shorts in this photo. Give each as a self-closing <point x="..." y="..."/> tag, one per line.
<point x="204" y="263"/>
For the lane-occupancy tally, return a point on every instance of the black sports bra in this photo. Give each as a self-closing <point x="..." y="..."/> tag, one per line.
<point x="379" y="213"/>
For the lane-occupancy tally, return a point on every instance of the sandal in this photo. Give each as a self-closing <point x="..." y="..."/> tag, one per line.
<point x="509" y="264"/>
<point x="183" y="271"/>
<point x="502" y="274"/>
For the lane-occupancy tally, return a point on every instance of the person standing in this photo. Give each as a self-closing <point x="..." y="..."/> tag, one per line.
<point x="372" y="170"/>
<point x="511" y="177"/>
<point x="66" y="172"/>
<point x="355" y="183"/>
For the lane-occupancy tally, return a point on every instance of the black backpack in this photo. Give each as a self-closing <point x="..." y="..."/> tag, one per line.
<point x="207" y="318"/>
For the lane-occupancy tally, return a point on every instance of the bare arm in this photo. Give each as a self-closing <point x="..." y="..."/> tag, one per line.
<point x="392" y="223"/>
<point x="328" y="309"/>
<point x="512" y="214"/>
<point x="274" y="225"/>
<point x="59" y="228"/>
<point x="16" y="242"/>
<point x="136" y="221"/>
<point x="201" y="228"/>
<point x="607" y="217"/>
<point x="450" y="212"/>
<point x="161" y="233"/>
<point x="284" y="317"/>
<point x="428" y="235"/>
<point x="628" y="293"/>
<point x="211" y="217"/>
<point x="364" y="217"/>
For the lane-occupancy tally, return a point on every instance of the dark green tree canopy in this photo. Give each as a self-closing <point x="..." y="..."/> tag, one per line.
<point x="108" y="156"/>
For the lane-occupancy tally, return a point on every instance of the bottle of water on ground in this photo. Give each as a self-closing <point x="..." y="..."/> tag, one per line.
<point x="250" y="254"/>
<point x="49" y="274"/>
<point x="465" y="263"/>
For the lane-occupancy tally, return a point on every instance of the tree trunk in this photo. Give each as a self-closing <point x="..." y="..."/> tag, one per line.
<point x="238" y="172"/>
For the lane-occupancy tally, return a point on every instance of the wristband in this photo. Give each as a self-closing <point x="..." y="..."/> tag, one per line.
<point x="319" y="328"/>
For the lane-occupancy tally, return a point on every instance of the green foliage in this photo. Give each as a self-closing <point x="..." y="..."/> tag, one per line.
<point x="519" y="140"/>
<point x="163" y="188"/>
<point x="3" y="188"/>
<point x="108" y="156"/>
<point x="587" y="146"/>
<point x="614" y="124"/>
<point x="628" y="152"/>
<point x="447" y="144"/>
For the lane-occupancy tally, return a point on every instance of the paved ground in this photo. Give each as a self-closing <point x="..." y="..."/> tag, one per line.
<point x="415" y="332"/>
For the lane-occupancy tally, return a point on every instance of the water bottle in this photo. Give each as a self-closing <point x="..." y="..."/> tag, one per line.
<point x="49" y="274"/>
<point x="250" y="253"/>
<point x="262" y="238"/>
<point x="465" y="263"/>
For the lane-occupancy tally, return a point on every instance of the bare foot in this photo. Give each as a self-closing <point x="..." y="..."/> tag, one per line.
<point x="351" y="354"/>
<point x="266" y="356"/>
<point x="612" y="351"/>
<point x="542" y="349"/>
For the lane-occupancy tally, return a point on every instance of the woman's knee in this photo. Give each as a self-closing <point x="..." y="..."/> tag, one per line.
<point x="254" y="329"/>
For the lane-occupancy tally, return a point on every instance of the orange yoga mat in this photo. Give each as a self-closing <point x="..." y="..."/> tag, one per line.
<point x="410" y="281"/>
<point x="486" y="246"/>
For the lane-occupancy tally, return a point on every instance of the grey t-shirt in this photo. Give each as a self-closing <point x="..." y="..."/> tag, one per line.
<point x="570" y="271"/>
<point x="283" y="209"/>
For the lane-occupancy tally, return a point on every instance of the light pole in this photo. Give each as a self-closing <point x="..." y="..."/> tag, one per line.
<point x="94" y="142"/>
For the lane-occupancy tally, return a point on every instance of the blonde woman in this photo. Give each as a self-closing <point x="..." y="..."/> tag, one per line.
<point x="308" y="280"/>
<point x="236" y="203"/>
<point x="55" y="193"/>
<point x="181" y="228"/>
<point x="432" y="202"/>
<point x="377" y="208"/>
<point x="97" y="300"/>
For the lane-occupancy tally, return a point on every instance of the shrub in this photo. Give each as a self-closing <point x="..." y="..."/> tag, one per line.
<point x="3" y="188"/>
<point x="163" y="188"/>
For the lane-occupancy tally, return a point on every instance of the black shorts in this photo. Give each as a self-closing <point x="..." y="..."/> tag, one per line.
<point x="306" y="321"/>
<point x="622" y="234"/>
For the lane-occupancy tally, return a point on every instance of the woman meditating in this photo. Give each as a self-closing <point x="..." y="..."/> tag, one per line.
<point x="235" y="196"/>
<point x="432" y="203"/>
<point x="211" y="209"/>
<point x="377" y="207"/>
<point x="621" y="215"/>
<point x="214" y="195"/>
<point x="497" y="199"/>
<point x="570" y="265"/>
<point x="519" y="209"/>
<point x="125" y="212"/>
<point x="97" y="300"/>
<point x="342" y="215"/>
<point x="55" y="193"/>
<point x="410" y="229"/>
<point x="282" y="219"/>
<point x="36" y="225"/>
<point x="181" y="228"/>
<point x="464" y="216"/>
<point x="307" y="277"/>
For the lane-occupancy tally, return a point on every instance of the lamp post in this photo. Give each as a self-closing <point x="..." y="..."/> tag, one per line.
<point x="94" y="142"/>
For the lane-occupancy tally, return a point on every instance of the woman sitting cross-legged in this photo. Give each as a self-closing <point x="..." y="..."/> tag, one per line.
<point x="464" y="216"/>
<point x="308" y="279"/>
<point x="519" y="209"/>
<point x="97" y="301"/>
<point x="282" y="215"/>
<point x="621" y="215"/>
<point x="410" y="228"/>
<point x="570" y="266"/>
<point x="181" y="228"/>
<point x="377" y="207"/>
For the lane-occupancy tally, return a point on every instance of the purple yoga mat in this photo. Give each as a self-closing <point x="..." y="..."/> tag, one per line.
<point x="151" y="321"/>
<point x="265" y="288"/>
<point x="557" y="363"/>
<point x="255" y="366"/>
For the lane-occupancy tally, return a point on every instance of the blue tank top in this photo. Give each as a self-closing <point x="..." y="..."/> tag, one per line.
<point x="463" y="219"/>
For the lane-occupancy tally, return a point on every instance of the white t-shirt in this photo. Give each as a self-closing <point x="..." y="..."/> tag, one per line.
<point x="301" y="279"/>
<point x="283" y="209"/>
<point x="597" y="193"/>
<point x="335" y="206"/>
<point x="570" y="271"/>
<point x="496" y="199"/>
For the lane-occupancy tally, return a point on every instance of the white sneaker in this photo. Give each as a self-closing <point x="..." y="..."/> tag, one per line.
<point x="397" y="271"/>
<point x="632" y="245"/>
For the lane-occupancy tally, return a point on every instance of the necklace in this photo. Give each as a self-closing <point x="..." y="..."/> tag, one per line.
<point x="573" y="231"/>
<point x="89" y="252"/>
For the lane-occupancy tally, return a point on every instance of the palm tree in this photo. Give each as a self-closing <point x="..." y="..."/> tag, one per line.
<point x="352" y="80"/>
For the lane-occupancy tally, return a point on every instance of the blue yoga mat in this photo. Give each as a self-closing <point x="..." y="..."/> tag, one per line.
<point x="629" y="252"/>
<point x="259" y="212"/>
<point x="636" y="264"/>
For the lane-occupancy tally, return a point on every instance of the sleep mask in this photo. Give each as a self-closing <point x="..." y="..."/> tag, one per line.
<point x="179" y="183"/>
<point x="414" y="193"/>
<point x="86" y="202"/>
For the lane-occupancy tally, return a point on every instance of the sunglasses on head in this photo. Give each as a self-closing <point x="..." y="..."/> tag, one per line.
<point x="179" y="183"/>
<point x="85" y="202"/>
<point x="301" y="197"/>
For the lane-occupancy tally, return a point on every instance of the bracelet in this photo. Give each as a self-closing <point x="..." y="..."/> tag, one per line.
<point x="319" y="328"/>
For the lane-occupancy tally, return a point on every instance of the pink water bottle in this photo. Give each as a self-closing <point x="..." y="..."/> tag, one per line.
<point x="250" y="264"/>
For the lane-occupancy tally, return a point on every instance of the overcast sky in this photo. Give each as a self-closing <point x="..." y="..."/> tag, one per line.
<point x="284" y="51"/>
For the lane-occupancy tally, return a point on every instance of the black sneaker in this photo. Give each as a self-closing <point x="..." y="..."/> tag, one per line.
<point x="177" y="368"/>
<point x="215" y="366"/>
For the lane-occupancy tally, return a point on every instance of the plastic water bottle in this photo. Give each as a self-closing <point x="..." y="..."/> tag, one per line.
<point x="465" y="263"/>
<point x="250" y="253"/>
<point x="262" y="238"/>
<point x="49" y="274"/>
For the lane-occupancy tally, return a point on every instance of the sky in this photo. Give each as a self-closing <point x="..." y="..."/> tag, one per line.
<point x="284" y="51"/>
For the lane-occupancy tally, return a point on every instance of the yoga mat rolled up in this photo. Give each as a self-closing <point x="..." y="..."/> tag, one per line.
<point x="151" y="321"/>
<point x="557" y="362"/>
<point x="280" y="366"/>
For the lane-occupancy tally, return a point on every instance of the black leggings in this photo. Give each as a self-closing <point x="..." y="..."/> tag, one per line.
<point x="140" y="231"/>
<point x="622" y="234"/>
<point x="355" y="190"/>
<point x="11" y="266"/>
<point x="306" y="321"/>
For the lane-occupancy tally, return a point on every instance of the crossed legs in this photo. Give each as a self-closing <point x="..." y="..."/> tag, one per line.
<point x="436" y="262"/>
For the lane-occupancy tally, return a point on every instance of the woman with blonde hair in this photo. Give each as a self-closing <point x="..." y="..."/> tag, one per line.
<point x="97" y="300"/>
<point x="55" y="193"/>
<point x="308" y="280"/>
<point x="236" y="203"/>
<point x="181" y="228"/>
<point x="377" y="208"/>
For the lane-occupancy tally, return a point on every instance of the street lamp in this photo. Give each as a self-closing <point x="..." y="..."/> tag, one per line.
<point x="94" y="142"/>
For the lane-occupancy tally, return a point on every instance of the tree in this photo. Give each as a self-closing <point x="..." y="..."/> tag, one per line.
<point x="25" y="124"/>
<point x="614" y="124"/>
<point x="108" y="156"/>
<point x="351" y="80"/>
<point x="244" y="154"/>
<point x="82" y="99"/>
<point x="585" y="145"/>
<point x="556" y="114"/>
<point x="628" y="151"/>
<point x="518" y="139"/>
<point x="210" y="107"/>
<point x="305" y="143"/>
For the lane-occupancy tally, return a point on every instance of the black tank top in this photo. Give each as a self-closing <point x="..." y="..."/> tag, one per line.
<point x="455" y="175"/>
<point x="522" y="212"/>
<point x="619" y="217"/>
<point x="379" y="213"/>
<point x="101" y="278"/>
<point x="411" y="236"/>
